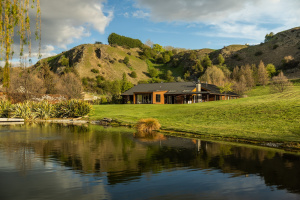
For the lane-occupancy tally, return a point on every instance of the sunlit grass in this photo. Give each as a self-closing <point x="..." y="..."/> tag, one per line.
<point x="268" y="117"/>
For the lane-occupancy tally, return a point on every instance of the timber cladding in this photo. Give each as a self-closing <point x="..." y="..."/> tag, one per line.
<point x="159" y="97"/>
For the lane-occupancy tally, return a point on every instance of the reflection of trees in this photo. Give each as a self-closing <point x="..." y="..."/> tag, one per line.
<point x="122" y="157"/>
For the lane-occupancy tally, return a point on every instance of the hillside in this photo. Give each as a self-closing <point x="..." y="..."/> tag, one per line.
<point x="283" y="44"/>
<point x="282" y="50"/>
<point x="106" y="59"/>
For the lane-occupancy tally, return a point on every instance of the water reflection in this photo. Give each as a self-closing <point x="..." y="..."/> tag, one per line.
<point x="118" y="156"/>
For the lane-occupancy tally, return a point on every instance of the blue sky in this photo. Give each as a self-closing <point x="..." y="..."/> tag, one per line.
<point x="190" y="24"/>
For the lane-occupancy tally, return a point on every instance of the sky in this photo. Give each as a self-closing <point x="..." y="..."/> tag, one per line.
<point x="190" y="24"/>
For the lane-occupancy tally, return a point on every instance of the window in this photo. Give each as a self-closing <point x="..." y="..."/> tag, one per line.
<point x="158" y="98"/>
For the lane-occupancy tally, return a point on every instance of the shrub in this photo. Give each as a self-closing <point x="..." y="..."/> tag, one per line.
<point x="23" y="110"/>
<point x="148" y="125"/>
<point x="72" y="108"/>
<point x="43" y="110"/>
<point x="275" y="46"/>
<point x="96" y="71"/>
<point x="258" y="53"/>
<point x="133" y="74"/>
<point x="5" y="108"/>
<point x="126" y="60"/>
<point x="153" y="72"/>
<point x="99" y="65"/>
<point x="103" y="100"/>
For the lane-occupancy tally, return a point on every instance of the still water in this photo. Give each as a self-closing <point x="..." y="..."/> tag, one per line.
<point x="54" y="161"/>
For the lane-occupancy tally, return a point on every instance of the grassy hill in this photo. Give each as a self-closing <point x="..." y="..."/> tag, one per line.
<point x="106" y="59"/>
<point x="283" y="50"/>
<point x="260" y="117"/>
<point x="283" y="44"/>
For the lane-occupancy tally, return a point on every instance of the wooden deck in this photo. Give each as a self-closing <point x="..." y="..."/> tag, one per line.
<point x="11" y="121"/>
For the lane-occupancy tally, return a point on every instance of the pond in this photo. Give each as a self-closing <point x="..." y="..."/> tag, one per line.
<point x="55" y="161"/>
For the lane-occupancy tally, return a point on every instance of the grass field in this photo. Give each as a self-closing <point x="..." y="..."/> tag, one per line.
<point x="261" y="116"/>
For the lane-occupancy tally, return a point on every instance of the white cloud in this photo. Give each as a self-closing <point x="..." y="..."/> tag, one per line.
<point x="140" y="14"/>
<point x="65" y="21"/>
<point x="243" y="19"/>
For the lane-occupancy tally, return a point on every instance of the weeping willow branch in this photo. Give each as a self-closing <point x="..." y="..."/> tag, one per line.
<point x="15" y="16"/>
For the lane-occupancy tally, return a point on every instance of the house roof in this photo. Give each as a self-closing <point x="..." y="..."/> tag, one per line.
<point x="175" y="88"/>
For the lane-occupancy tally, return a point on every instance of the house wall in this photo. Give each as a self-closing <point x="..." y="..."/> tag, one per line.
<point x="162" y="97"/>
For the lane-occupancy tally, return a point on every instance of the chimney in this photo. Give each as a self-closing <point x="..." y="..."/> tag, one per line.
<point x="198" y="89"/>
<point x="198" y="86"/>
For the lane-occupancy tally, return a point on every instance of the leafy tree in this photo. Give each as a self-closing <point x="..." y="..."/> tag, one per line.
<point x="193" y="55"/>
<point x="169" y="76"/>
<point x="64" y="61"/>
<point x="158" y="48"/>
<point x="153" y="72"/>
<point x="125" y="85"/>
<point x="206" y="62"/>
<point x="221" y="59"/>
<point x="166" y="58"/>
<point x="187" y="75"/>
<point x="15" y="16"/>
<point x="271" y="70"/>
<point x="120" y="40"/>
<point x="269" y="36"/>
<point x="226" y="88"/>
<point x="214" y="75"/>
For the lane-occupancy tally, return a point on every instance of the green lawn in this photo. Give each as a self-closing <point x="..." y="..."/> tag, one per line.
<point x="261" y="116"/>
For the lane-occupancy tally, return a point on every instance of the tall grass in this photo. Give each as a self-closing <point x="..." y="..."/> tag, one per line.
<point x="148" y="125"/>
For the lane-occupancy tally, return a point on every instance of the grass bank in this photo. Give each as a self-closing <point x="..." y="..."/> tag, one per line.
<point x="262" y="116"/>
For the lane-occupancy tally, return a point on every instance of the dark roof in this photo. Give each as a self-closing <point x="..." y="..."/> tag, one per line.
<point x="174" y="88"/>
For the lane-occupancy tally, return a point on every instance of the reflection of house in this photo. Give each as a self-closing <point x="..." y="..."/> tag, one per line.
<point x="175" y="93"/>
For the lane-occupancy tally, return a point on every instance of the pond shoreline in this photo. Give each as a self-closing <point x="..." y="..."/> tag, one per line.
<point x="287" y="146"/>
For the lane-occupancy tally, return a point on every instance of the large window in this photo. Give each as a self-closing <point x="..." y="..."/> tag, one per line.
<point x="158" y="98"/>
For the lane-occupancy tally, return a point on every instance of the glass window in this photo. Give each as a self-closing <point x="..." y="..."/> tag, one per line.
<point x="158" y="98"/>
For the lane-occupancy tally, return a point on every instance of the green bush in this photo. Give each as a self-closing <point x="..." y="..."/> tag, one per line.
<point x="72" y="108"/>
<point x="258" y="53"/>
<point x="43" y="110"/>
<point x="5" y="107"/>
<point x="126" y="60"/>
<point x="23" y="110"/>
<point x="133" y="74"/>
<point x="96" y="71"/>
<point x="103" y="100"/>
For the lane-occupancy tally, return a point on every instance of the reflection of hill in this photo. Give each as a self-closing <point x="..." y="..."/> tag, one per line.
<point x="116" y="154"/>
